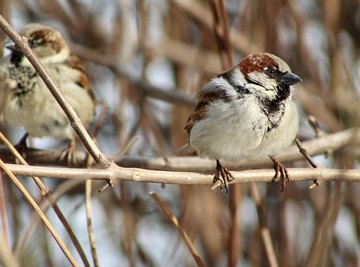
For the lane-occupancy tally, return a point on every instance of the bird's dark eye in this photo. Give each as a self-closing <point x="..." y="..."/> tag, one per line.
<point x="271" y="72"/>
<point x="34" y="42"/>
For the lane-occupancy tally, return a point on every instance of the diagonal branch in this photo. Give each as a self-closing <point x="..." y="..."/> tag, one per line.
<point x="43" y="217"/>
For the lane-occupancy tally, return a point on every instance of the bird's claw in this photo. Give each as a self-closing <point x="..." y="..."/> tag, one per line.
<point x="222" y="175"/>
<point x="68" y="154"/>
<point x="281" y="173"/>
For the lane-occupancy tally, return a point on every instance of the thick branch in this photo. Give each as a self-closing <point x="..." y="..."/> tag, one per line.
<point x="331" y="142"/>
<point x="185" y="178"/>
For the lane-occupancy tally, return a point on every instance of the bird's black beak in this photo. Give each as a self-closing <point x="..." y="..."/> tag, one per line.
<point x="289" y="79"/>
<point x="11" y="46"/>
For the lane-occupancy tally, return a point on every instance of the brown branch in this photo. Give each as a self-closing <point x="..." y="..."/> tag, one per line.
<point x="4" y="236"/>
<point x="185" y="178"/>
<point x="202" y="14"/>
<point x="181" y="230"/>
<point x="309" y="159"/>
<point x="43" y="217"/>
<point x="306" y="154"/>
<point x="325" y="230"/>
<point x="88" y="187"/>
<point x="264" y="230"/>
<point x="63" y="188"/>
<point x="75" y="121"/>
<point x="331" y="142"/>
<point x="46" y="194"/>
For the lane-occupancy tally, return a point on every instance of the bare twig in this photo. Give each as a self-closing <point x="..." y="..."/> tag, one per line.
<point x="4" y="234"/>
<point x="47" y="223"/>
<point x="264" y="230"/>
<point x="316" y="126"/>
<point x="304" y="152"/>
<point x="182" y="232"/>
<point x="306" y="155"/>
<point x="202" y="14"/>
<point x="4" y="10"/>
<point x="325" y="230"/>
<point x="44" y="205"/>
<point x="7" y="256"/>
<point x="46" y="194"/>
<point x="88" y="189"/>
<point x="185" y="178"/>
<point x="88" y="186"/>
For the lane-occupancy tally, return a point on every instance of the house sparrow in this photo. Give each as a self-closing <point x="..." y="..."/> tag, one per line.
<point x="27" y="102"/>
<point x="245" y="113"/>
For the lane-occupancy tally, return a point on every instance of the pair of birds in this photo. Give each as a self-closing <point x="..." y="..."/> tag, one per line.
<point x="243" y="113"/>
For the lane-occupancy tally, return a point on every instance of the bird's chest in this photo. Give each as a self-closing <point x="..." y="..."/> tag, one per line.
<point x="273" y="111"/>
<point x="22" y="80"/>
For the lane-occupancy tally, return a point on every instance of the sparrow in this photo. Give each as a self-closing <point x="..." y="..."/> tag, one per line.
<point x="27" y="102"/>
<point x="246" y="112"/>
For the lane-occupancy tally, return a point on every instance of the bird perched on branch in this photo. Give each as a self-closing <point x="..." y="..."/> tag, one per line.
<point x="27" y="102"/>
<point x="245" y="113"/>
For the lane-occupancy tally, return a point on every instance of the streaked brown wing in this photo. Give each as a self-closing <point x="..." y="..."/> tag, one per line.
<point x="205" y="97"/>
<point x="199" y="113"/>
<point x="83" y="81"/>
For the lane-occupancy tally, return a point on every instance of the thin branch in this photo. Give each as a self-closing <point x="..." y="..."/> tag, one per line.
<point x="4" y="233"/>
<point x="75" y="121"/>
<point x="306" y="154"/>
<point x="63" y="188"/>
<point x="316" y="126"/>
<point x="325" y="230"/>
<point x="46" y="194"/>
<point x="264" y="230"/>
<point x="33" y="203"/>
<point x="202" y="14"/>
<point x="88" y="187"/>
<point x="7" y="256"/>
<point x="182" y="232"/>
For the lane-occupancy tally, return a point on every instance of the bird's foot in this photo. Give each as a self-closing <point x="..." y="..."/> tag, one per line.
<point x="222" y="175"/>
<point x="281" y="173"/>
<point x="21" y="146"/>
<point x="67" y="154"/>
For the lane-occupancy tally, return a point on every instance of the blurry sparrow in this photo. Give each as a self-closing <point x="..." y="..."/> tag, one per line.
<point x="246" y="113"/>
<point x="27" y="102"/>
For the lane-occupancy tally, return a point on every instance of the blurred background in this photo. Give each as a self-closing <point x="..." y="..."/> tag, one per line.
<point x="146" y="60"/>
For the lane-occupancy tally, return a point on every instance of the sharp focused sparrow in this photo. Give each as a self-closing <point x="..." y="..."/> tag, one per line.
<point x="27" y="102"/>
<point x="245" y="113"/>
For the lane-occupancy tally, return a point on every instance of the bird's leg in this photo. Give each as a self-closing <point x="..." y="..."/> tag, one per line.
<point x="68" y="153"/>
<point x="21" y="146"/>
<point x="280" y="169"/>
<point x="223" y="175"/>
